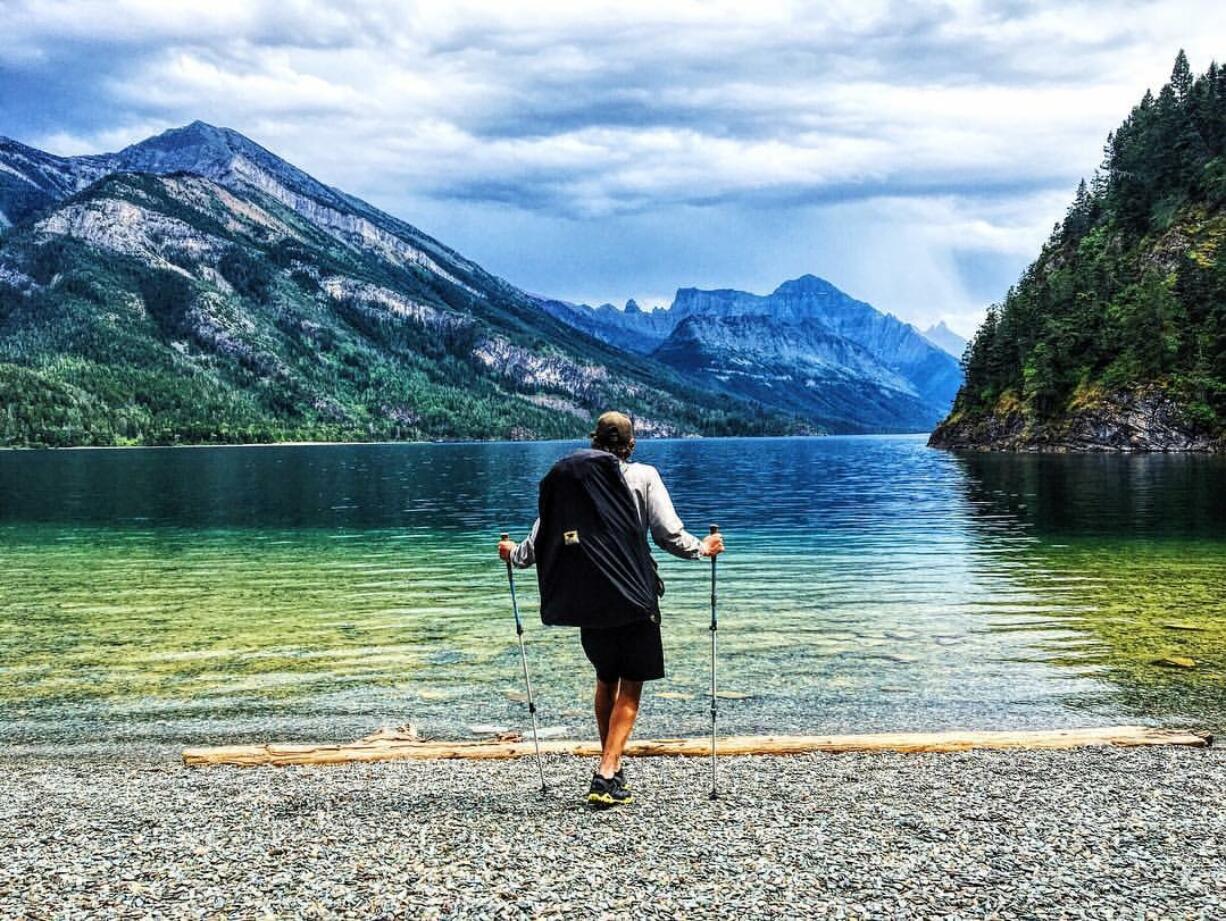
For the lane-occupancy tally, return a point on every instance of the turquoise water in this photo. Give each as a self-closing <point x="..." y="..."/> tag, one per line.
<point x="211" y="594"/>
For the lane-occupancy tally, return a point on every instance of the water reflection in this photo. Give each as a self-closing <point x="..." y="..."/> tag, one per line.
<point x="1132" y="551"/>
<point x="1121" y="496"/>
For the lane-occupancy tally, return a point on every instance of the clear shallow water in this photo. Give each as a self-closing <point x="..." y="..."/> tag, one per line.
<point x="165" y="596"/>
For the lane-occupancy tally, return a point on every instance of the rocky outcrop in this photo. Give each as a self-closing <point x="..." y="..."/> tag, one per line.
<point x="345" y="225"/>
<point x="380" y="299"/>
<point x="1147" y="420"/>
<point x="129" y="229"/>
<point x="530" y="370"/>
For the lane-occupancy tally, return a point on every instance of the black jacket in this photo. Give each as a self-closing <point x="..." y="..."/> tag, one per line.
<point x="593" y="563"/>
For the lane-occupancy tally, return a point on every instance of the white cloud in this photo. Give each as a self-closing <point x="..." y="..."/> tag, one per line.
<point x="659" y="98"/>
<point x="965" y="123"/>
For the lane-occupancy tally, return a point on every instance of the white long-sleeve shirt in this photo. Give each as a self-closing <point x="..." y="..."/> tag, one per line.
<point x="655" y="511"/>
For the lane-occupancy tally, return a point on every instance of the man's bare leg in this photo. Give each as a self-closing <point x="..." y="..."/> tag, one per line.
<point x="621" y="724"/>
<point x="606" y="693"/>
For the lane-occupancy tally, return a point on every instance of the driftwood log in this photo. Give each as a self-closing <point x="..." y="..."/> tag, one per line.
<point x="387" y="746"/>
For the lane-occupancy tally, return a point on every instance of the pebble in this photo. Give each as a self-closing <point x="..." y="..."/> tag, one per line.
<point x="1108" y="833"/>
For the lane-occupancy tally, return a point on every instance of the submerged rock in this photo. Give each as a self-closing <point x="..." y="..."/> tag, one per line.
<point x="1175" y="662"/>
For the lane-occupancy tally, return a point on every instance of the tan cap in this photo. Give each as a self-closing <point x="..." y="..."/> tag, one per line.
<point x="613" y="430"/>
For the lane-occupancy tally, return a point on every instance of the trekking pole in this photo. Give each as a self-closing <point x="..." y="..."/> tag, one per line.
<point x="714" y="629"/>
<point x="523" y="658"/>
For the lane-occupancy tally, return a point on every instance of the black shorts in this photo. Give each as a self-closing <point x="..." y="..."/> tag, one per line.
<point x="634" y="652"/>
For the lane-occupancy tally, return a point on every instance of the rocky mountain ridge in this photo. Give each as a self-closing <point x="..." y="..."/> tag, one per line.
<point x="232" y="160"/>
<point x="195" y="287"/>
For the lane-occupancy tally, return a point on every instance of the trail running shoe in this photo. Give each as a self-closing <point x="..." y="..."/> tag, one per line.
<point x="620" y="777"/>
<point x="607" y="791"/>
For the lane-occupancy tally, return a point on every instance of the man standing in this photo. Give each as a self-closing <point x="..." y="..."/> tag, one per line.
<point x="596" y="573"/>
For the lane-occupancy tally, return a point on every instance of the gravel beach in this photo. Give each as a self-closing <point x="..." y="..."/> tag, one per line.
<point x="1092" y="833"/>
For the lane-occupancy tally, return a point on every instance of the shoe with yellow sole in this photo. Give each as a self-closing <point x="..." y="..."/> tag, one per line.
<point x="606" y="792"/>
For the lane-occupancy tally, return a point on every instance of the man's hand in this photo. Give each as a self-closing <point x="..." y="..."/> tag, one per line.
<point x="713" y="544"/>
<point x="506" y="547"/>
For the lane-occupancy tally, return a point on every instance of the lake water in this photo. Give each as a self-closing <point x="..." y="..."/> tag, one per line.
<point x="157" y="597"/>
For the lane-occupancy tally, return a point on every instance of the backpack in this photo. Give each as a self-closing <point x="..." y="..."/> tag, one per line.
<point x="593" y="563"/>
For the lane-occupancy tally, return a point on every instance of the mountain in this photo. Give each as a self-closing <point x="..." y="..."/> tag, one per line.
<point x="798" y="367"/>
<point x="945" y="339"/>
<point x="194" y="287"/>
<point x="806" y="348"/>
<point x="631" y="329"/>
<point x="31" y="180"/>
<point x="1115" y="337"/>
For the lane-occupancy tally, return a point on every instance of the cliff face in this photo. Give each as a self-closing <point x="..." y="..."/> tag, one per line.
<point x="1114" y="339"/>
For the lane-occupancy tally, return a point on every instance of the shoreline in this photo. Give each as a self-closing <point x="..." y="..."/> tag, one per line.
<point x="445" y="442"/>
<point x="1099" y="833"/>
<point x="953" y="447"/>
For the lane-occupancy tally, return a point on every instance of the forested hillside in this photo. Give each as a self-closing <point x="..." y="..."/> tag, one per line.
<point x="1115" y="337"/>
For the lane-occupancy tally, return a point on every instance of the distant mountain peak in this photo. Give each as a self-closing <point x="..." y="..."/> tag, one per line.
<point x="806" y="348"/>
<point x="945" y="339"/>
<point x="807" y="284"/>
<point x="196" y="134"/>
<point x="199" y="148"/>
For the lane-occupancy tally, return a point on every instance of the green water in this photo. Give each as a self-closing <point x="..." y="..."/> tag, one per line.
<point x="154" y="597"/>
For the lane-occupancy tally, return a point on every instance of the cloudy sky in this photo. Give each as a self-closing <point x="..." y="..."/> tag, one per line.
<point x="914" y="154"/>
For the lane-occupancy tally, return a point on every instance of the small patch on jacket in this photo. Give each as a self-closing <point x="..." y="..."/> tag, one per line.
<point x="570" y="537"/>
